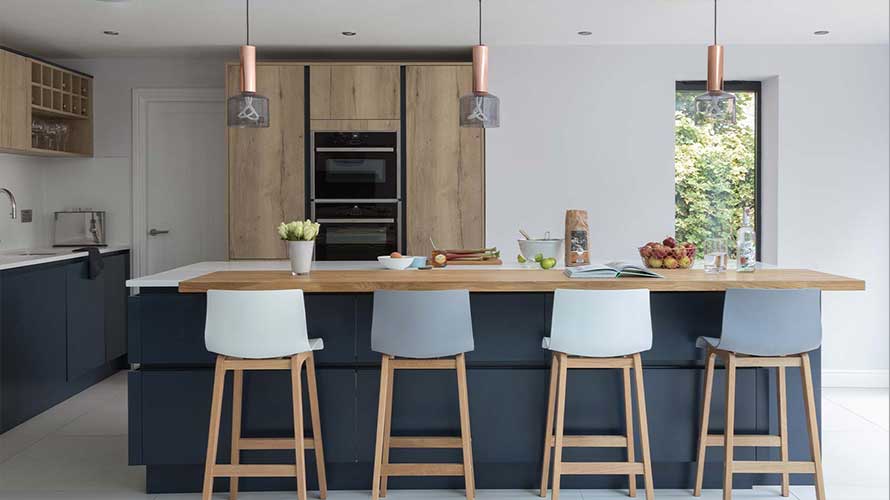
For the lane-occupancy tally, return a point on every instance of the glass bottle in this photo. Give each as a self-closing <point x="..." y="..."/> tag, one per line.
<point x="746" y="243"/>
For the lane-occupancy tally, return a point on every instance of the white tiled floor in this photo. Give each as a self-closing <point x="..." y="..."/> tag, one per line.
<point x="78" y="451"/>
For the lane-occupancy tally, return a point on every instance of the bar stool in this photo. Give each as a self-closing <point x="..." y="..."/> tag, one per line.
<point x="261" y="330"/>
<point x="598" y="329"/>
<point x="763" y="329"/>
<point x="431" y="330"/>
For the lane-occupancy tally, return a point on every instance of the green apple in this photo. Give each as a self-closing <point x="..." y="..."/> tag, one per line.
<point x="548" y="263"/>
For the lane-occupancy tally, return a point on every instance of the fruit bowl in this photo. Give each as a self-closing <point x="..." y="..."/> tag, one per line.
<point x="668" y="254"/>
<point x="396" y="263"/>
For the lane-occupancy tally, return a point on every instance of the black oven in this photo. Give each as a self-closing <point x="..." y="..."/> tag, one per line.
<point x="355" y="166"/>
<point x="357" y="231"/>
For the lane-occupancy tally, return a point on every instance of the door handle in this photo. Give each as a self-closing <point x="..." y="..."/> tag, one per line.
<point x="155" y="232"/>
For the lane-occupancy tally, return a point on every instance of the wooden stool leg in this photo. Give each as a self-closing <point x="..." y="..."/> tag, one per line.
<point x="730" y="426"/>
<point x="705" y="417"/>
<point x="629" y="430"/>
<point x="465" y="435"/>
<point x="783" y="424"/>
<point x="387" y="431"/>
<point x="560" y="423"/>
<point x="316" y="426"/>
<point x="219" y="379"/>
<point x="644" y="428"/>
<point x="381" y="418"/>
<point x="237" y="396"/>
<point x="812" y="424"/>
<point x="548" y="432"/>
<point x="299" y="445"/>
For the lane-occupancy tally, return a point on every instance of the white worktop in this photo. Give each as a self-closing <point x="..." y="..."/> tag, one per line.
<point x="172" y="277"/>
<point x="11" y="259"/>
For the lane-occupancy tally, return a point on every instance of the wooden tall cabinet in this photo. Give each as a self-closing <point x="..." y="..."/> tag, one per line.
<point x="354" y="92"/>
<point x="267" y="165"/>
<point x="15" y="101"/>
<point x="445" y="163"/>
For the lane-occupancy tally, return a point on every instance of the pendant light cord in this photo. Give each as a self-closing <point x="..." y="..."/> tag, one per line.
<point x="480" y="22"/>
<point x="715" y="22"/>
<point x="248" y="20"/>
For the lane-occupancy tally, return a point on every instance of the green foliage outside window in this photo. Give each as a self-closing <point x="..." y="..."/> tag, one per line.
<point x="715" y="169"/>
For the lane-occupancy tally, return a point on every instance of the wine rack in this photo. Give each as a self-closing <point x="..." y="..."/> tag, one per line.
<point x="61" y="99"/>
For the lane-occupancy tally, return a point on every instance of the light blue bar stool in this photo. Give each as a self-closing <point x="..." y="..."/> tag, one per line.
<point x="598" y="329"/>
<point x="261" y="330"/>
<point x="426" y="330"/>
<point x="764" y="329"/>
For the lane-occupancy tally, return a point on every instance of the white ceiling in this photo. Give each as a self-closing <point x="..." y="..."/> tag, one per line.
<point x="73" y="28"/>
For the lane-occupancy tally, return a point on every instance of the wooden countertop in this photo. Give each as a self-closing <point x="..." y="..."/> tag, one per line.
<point x="511" y="280"/>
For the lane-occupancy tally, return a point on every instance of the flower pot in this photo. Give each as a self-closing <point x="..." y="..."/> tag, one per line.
<point x="300" y="254"/>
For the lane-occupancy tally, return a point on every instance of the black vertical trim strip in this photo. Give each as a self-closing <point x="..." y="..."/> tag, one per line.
<point x="307" y="147"/>
<point x="403" y="154"/>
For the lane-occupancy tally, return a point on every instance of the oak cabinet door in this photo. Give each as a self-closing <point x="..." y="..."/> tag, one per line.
<point x="15" y="101"/>
<point x="267" y="165"/>
<point x="445" y="163"/>
<point x="354" y="92"/>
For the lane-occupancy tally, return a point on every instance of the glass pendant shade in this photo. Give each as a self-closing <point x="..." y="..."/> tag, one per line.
<point x="480" y="110"/>
<point x="715" y="107"/>
<point x="248" y="109"/>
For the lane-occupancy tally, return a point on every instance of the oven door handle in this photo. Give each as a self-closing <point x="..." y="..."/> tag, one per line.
<point x="355" y="221"/>
<point x="355" y="150"/>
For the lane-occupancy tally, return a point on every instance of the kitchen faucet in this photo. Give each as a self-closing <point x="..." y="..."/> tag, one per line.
<point x="8" y="193"/>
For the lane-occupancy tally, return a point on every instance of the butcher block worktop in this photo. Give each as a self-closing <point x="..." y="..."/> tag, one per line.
<point x="509" y="280"/>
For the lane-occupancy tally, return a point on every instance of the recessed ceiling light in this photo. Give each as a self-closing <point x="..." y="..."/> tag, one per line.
<point x="585" y="33"/>
<point x="821" y="32"/>
<point x="111" y="32"/>
<point x="348" y="33"/>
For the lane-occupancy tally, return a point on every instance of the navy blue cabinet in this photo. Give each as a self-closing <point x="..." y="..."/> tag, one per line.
<point x="60" y="332"/>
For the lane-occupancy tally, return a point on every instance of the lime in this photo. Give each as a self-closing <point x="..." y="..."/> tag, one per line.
<point x="548" y="263"/>
<point x="539" y="257"/>
<point x="521" y="259"/>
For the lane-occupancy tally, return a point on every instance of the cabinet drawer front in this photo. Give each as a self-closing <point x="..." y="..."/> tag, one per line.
<point x="354" y="92"/>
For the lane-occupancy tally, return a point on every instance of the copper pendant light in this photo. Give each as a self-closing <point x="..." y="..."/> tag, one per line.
<point x="715" y="105"/>
<point x="248" y="109"/>
<point x="480" y="108"/>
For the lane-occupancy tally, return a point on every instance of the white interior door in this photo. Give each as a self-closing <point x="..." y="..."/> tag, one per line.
<point x="184" y="181"/>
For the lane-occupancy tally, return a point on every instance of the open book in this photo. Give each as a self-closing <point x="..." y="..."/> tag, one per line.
<point x="611" y="270"/>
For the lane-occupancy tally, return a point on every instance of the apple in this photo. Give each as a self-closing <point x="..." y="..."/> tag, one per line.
<point x="679" y="252"/>
<point x="685" y="262"/>
<point x="395" y="255"/>
<point x="655" y="262"/>
<point x="660" y="251"/>
<point x="669" y="242"/>
<point x="646" y="252"/>
<point x="670" y="263"/>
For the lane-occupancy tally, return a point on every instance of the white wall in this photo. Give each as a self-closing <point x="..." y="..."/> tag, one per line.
<point x="593" y="128"/>
<point x="23" y="175"/>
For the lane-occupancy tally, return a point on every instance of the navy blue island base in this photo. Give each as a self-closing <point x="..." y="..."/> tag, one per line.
<point x="172" y="373"/>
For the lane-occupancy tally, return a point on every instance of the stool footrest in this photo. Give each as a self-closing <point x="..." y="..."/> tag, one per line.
<point x="745" y="440"/>
<point x="273" y="443"/>
<point x="773" y="467"/>
<point x="423" y="469"/>
<point x="602" y="468"/>
<point x="254" y="470"/>
<point x="424" y="442"/>
<point x="591" y="441"/>
<point x="424" y="364"/>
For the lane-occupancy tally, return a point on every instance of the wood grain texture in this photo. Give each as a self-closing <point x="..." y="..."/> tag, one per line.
<point x="266" y="166"/>
<point x="510" y="280"/>
<point x="445" y="163"/>
<point x="355" y="125"/>
<point x="354" y="92"/>
<point x="15" y="101"/>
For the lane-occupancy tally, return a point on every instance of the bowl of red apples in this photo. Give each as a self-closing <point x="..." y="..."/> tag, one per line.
<point x="669" y="254"/>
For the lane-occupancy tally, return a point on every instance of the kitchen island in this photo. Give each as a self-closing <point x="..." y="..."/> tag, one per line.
<point x="170" y="383"/>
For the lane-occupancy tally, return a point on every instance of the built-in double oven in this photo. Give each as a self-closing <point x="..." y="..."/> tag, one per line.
<point x="355" y="194"/>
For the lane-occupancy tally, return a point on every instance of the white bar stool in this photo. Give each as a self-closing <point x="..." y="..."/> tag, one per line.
<point x="764" y="329"/>
<point x="261" y="330"/>
<point x="598" y="329"/>
<point x="423" y="327"/>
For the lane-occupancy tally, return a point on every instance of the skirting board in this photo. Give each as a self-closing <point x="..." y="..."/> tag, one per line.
<point x="856" y="378"/>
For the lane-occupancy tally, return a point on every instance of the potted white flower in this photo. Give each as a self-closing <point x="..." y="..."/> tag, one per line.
<point x="300" y="238"/>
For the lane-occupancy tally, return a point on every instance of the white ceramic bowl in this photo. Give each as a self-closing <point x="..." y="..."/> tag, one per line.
<point x="397" y="263"/>
<point x="547" y="248"/>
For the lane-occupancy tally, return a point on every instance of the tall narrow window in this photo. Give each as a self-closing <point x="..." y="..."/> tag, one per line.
<point x="716" y="167"/>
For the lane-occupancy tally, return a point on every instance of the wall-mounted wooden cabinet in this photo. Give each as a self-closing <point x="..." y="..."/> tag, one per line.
<point x="354" y="92"/>
<point x="45" y="110"/>
<point x="445" y="163"/>
<point x="267" y="165"/>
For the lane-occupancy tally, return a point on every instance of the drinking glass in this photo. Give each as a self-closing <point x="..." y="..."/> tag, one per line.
<point x="716" y="255"/>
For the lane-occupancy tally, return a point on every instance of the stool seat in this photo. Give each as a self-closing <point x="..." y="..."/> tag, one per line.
<point x="705" y="342"/>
